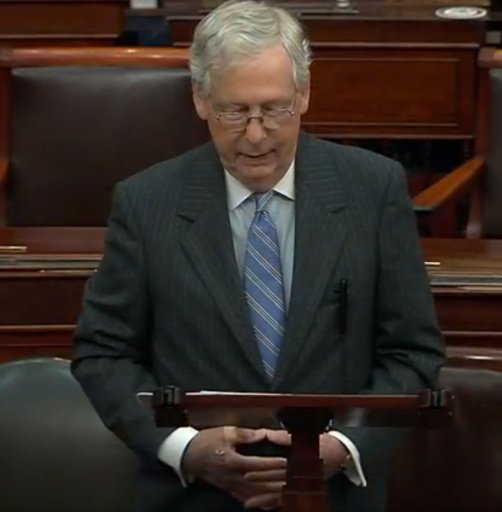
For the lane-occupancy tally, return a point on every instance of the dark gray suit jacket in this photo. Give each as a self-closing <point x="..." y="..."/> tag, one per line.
<point x="166" y="306"/>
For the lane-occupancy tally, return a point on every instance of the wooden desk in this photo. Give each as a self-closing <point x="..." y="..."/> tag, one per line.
<point x="467" y="289"/>
<point x="61" y="22"/>
<point x="40" y="300"/>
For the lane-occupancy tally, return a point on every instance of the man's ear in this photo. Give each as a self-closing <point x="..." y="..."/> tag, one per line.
<point x="200" y="102"/>
<point x="304" y="98"/>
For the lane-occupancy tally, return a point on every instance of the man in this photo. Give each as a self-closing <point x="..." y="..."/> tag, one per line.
<point x="266" y="260"/>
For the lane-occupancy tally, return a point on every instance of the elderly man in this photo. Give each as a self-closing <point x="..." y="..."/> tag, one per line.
<point x="266" y="260"/>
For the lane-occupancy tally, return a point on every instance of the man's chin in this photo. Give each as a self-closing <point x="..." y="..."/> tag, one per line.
<point x="258" y="178"/>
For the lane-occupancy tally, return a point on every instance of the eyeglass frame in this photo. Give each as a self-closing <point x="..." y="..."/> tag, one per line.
<point x="246" y="117"/>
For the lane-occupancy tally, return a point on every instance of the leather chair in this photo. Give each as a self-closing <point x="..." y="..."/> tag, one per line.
<point x="457" y="468"/>
<point x="80" y="119"/>
<point x="55" y="453"/>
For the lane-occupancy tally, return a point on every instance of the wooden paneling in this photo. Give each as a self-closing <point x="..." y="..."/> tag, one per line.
<point x="41" y="297"/>
<point x="467" y="286"/>
<point x="390" y="92"/>
<point x="36" y="22"/>
<point x="18" y="342"/>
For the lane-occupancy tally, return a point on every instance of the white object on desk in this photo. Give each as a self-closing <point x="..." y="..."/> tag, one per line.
<point x="461" y="12"/>
<point x="143" y="4"/>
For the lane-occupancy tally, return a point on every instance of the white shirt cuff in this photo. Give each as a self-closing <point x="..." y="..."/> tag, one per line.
<point x="354" y="470"/>
<point x="172" y="449"/>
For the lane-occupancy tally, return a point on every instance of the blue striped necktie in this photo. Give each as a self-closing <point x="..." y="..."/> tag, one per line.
<point x="263" y="284"/>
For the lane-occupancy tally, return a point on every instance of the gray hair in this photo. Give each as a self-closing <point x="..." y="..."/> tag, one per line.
<point x="239" y="29"/>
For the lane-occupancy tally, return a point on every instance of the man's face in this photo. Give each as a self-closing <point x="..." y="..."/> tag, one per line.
<point x="254" y="154"/>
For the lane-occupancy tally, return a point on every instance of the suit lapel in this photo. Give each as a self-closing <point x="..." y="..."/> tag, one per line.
<point x="208" y="244"/>
<point x="319" y="236"/>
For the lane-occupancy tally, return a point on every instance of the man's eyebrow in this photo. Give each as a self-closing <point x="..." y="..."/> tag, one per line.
<point x="227" y="104"/>
<point x="241" y="106"/>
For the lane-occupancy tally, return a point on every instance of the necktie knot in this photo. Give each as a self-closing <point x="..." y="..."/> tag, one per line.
<point x="261" y="200"/>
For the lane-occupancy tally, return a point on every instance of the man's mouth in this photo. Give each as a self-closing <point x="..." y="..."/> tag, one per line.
<point x="257" y="155"/>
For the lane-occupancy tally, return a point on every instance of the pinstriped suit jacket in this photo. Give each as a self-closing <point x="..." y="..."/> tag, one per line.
<point x="166" y="306"/>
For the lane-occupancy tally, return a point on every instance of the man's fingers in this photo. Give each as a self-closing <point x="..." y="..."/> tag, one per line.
<point x="234" y="435"/>
<point x="273" y="475"/>
<point x="267" y="501"/>
<point x="281" y="437"/>
<point x="250" y="463"/>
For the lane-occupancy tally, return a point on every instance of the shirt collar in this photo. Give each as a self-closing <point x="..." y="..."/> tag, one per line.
<point x="237" y="192"/>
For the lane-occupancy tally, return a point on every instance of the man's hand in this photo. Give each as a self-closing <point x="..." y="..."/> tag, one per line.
<point x="332" y="451"/>
<point x="211" y="456"/>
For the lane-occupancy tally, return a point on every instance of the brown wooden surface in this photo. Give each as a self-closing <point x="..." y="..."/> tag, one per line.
<point x="436" y="206"/>
<point x="452" y="188"/>
<point x="20" y="341"/>
<point x="475" y="357"/>
<point x="93" y="56"/>
<point x="54" y="240"/>
<point x="397" y="92"/>
<point x="275" y="401"/>
<point x="468" y="313"/>
<point x="42" y="303"/>
<point x="66" y="22"/>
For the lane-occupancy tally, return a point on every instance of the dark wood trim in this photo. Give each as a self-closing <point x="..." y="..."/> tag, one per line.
<point x="50" y="38"/>
<point x="124" y="3"/>
<point x="70" y="240"/>
<point x="475" y="357"/>
<point x="18" y="342"/>
<point x="29" y="330"/>
<point x="451" y="188"/>
<point x="94" y="56"/>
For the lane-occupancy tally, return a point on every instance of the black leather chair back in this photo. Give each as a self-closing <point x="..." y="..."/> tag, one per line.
<point x="55" y="453"/>
<point x="459" y="468"/>
<point x="77" y="130"/>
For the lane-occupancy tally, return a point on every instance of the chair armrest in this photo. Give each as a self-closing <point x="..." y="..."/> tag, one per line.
<point x="451" y="187"/>
<point x="3" y="172"/>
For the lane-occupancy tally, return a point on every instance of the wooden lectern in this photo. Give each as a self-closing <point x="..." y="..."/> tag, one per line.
<point x="305" y="417"/>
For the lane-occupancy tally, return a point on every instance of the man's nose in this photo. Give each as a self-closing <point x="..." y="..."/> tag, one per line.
<point x="255" y="132"/>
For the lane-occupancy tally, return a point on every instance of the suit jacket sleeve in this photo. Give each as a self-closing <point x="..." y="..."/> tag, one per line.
<point x="111" y="342"/>
<point x="408" y="348"/>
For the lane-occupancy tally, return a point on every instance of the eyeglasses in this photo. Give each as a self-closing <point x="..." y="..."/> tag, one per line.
<point x="271" y="118"/>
